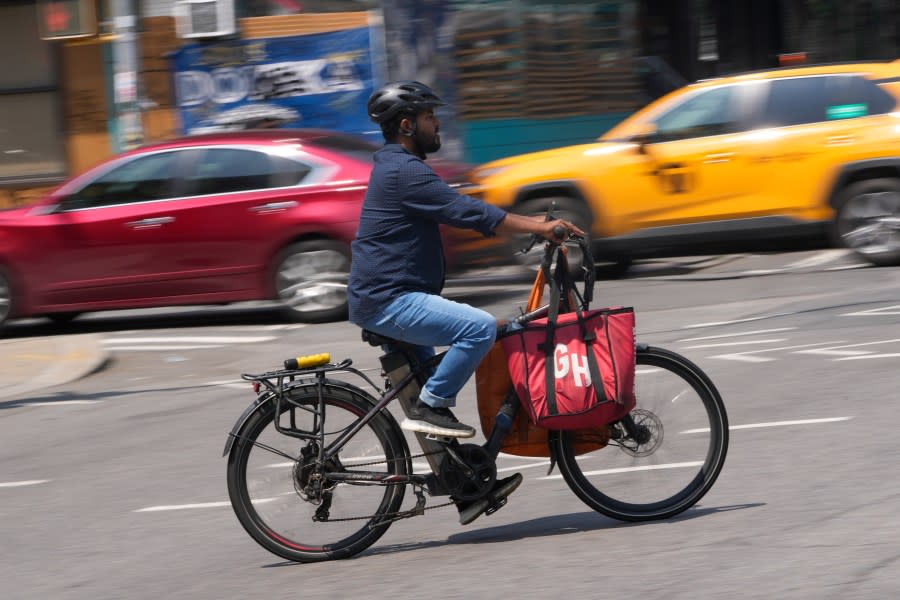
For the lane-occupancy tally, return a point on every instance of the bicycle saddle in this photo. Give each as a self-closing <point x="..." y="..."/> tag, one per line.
<point x="375" y="339"/>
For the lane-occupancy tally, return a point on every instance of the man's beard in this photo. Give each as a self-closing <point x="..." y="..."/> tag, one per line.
<point x="428" y="145"/>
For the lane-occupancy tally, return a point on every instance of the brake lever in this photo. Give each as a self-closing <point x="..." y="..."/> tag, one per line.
<point x="536" y="238"/>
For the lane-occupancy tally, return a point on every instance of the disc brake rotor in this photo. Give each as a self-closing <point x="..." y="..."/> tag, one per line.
<point x="650" y="427"/>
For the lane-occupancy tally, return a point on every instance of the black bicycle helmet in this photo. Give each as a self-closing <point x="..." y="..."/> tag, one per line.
<point x="398" y="97"/>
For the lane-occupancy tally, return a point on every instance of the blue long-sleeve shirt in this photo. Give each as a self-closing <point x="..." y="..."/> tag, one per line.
<point x="398" y="244"/>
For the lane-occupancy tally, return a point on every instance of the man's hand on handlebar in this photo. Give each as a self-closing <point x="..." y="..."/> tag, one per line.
<point x="558" y="230"/>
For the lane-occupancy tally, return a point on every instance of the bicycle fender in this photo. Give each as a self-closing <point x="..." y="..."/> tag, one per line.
<point x="260" y="400"/>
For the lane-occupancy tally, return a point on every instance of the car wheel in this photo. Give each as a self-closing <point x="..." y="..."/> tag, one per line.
<point x="867" y="220"/>
<point x="311" y="281"/>
<point x="608" y="266"/>
<point x="6" y="300"/>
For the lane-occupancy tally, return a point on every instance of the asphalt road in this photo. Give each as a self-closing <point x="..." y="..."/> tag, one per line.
<point x="114" y="486"/>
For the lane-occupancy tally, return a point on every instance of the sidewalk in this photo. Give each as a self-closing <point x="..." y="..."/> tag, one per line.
<point x="31" y="364"/>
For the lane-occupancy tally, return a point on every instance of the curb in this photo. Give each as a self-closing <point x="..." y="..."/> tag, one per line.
<point x="30" y="364"/>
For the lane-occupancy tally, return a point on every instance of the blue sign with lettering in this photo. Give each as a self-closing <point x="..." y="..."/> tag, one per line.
<point x="321" y="80"/>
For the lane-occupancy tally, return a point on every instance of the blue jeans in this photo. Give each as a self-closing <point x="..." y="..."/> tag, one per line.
<point x="427" y="320"/>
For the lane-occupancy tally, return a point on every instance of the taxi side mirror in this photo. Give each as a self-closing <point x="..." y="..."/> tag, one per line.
<point x="646" y="135"/>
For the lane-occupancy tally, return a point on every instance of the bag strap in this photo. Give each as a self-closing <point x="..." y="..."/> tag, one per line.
<point x="559" y="281"/>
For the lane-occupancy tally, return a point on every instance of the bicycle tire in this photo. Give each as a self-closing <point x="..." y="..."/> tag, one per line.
<point x="689" y="429"/>
<point x="261" y="500"/>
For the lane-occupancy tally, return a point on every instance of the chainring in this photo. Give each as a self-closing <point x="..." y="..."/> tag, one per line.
<point x="472" y="480"/>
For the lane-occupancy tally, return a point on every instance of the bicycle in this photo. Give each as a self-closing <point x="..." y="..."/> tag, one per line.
<point x="672" y="448"/>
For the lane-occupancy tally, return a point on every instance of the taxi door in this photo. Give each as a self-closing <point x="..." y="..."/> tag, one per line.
<point x="694" y="166"/>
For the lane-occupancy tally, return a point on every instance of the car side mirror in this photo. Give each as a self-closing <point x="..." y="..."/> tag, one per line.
<point x="645" y="136"/>
<point x="47" y="209"/>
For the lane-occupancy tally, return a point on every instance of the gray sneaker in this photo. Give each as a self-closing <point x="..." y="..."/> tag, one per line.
<point x="492" y="502"/>
<point x="435" y="421"/>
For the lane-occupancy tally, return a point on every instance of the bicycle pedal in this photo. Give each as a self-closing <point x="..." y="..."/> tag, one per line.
<point x="495" y="506"/>
<point x="441" y="439"/>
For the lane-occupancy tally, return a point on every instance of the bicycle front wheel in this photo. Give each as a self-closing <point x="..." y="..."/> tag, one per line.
<point x="281" y="494"/>
<point x="680" y="450"/>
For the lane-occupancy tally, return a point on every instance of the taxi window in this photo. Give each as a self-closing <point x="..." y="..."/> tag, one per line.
<point x="706" y="113"/>
<point x="802" y="100"/>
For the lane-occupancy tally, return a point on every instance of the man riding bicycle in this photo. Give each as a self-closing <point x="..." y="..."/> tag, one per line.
<point x="397" y="269"/>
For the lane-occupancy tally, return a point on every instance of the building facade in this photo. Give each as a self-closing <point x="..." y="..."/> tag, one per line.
<point x="522" y="75"/>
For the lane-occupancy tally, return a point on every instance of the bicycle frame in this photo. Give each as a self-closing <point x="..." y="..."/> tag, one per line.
<point x="275" y="384"/>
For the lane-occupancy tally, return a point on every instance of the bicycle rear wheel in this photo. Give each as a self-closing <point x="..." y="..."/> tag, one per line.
<point x="682" y="413"/>
<point x="272" y="479"/>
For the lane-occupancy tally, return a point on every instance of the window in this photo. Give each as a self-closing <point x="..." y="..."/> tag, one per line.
<point x="31" y="143"/>
<point x="804" y="100"/>
<point x="152" y="177"/>
<point x="709" y="112"/>
<point x="224" y="170"/>
<point x="795" y="102"/>
<point x="348" y="145"/>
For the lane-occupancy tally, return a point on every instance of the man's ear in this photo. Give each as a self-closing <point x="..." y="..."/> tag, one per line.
<point x="407" y="127"/>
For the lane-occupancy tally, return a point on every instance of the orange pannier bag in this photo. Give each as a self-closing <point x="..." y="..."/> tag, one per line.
<point x="492" y="384"/>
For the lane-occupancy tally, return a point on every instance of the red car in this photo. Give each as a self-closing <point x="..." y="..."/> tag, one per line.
<point x="210" y="219"/>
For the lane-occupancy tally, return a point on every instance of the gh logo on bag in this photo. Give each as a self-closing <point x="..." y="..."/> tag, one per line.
<point x="564" y="361"/>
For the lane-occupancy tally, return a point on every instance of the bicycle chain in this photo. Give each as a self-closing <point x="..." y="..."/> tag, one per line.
<point x="418" y="509"/>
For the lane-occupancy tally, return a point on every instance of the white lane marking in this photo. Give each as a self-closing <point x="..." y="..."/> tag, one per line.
<point x="634" y="469"/>
<point x="741" y="343"/>
<point x="646" y="371"/>
<point x="201" y="339"/>
<point x="846" y="267"/>
<point x="745" y="356"/>
<point x="834" y="351"/>
<point x="747" y="320"/>
<point x="884" y="310"/>
<point x="543" y="463"/>
<point x="12" y="484"/>
<point x="58" y="403"/>
<point x="231" y="383"/>
<point x="728" y="335"/>
<point x="189" y="506"/>
<point x="818" y="259"/>
<point x="774" y="424"/>
<point x="891" y="355"/>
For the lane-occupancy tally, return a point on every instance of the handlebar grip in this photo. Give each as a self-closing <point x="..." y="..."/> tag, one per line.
<point x="310" y="360"/>
<point x="559" y="232"/>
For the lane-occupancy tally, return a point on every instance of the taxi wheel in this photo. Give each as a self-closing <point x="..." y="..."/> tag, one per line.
<point x="566" y="208"/>
<point x="311" y="281"/>
<point x="609" y="266"/>
<point x="867" y="220"/>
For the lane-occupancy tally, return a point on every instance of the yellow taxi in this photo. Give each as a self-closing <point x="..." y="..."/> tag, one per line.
<point x="765" y="155"/>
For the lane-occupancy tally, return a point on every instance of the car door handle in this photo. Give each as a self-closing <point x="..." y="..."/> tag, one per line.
<point x="273" y="206"/>
<point x="149" y="223"/>
<point x="840" y="140"/>
<point x="719" y="157"/>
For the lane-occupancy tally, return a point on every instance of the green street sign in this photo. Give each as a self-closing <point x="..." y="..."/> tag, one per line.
<point x="59" y="19"/>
